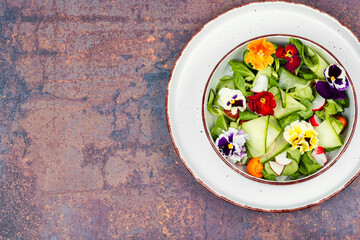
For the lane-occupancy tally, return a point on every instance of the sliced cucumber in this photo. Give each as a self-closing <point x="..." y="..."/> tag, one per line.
<point x="314" y="62"/>
<point x="257" y="132"/>
<point x="328" y="138"/>
<point x="290" y="169"/>
<point x="273" y="131"/>
<point x="337" y="125"/>
<point x="291" y="106"/>
<point x="288" y="80"/>
<point x="276" y="147"/>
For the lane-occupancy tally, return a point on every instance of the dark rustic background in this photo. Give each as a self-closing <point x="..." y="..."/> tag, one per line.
<point x="84" y="148"/>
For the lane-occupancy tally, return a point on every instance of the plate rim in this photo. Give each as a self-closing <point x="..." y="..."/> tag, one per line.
<point x="334" y="193"/>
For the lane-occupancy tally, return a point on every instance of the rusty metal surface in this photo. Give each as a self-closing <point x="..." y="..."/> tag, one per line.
<point x="85" y="150"/>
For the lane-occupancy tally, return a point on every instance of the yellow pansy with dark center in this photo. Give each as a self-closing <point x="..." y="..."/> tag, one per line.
<point x="301" y="135"/>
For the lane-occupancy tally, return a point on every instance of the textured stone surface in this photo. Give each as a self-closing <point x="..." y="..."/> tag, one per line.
<point x="85" y="152"/>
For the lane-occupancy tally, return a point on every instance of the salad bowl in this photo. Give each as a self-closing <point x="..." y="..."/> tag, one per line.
<point x="204" y="60"/>
<point x="223" y="68"/>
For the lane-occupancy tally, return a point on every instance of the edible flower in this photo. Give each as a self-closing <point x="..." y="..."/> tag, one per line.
<point x="301" y="135"/>
<point x="289" y="53"/>
<point x="232" y="99"/>
<point x="262" y="103"/>
<point x="231" y="144"/>
<point x="259" y="54"/>
<point x="335" y="85"/>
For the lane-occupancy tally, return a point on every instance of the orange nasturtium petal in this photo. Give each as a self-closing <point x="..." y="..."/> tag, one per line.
<point x="259" y="54"/>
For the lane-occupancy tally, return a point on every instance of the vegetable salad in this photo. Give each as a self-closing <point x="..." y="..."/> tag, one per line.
<point x="281" y="111"/>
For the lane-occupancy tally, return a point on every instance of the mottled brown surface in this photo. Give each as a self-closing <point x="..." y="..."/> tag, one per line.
<point x="85" y="150"/>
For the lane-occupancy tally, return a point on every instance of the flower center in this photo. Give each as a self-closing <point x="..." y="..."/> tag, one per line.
<point x="288" y="54"/>
<point x="262" y="100"/>
<point x="332" y="78"/>
<point x="230" y="146"/>
<point x="261" y="52"/>
<point x="232" y="101"/>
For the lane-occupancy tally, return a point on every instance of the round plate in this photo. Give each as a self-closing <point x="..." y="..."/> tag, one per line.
<point x="187" y="84"/>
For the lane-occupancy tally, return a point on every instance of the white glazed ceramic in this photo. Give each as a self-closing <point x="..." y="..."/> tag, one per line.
<point x="188" y="82"/>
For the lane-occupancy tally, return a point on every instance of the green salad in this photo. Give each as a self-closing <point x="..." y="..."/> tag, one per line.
<point x="281" y="111"/>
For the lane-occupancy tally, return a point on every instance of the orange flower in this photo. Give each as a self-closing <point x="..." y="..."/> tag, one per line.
<point x="259" y="54"/>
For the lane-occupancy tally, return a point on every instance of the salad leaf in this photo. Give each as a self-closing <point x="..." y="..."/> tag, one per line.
<point x="215" y="132"/>
<point x="221" y="122"/>
<point x="295" y="176"/>
<point x="294" y="154"/>
<point x="345" y="103"/>
<point x="225" y="81"/>
<point x="331" y="107"/>
<point x="247" y="115"/>
<point x="211" y="108"/>
<point x="309" y="112"/>
<point x="306" y="74"/>
<point x="268" y="176"/>
<point x="321" y="114"/>
<point x="273" y="82"/>
<point x="289" y="119"/>
<point x="308" y="165"/>
<point x="298" y="44"/>
<point x="302" y="93"/>
<point x="242" y="69"/>
<point x="239" y="83"/>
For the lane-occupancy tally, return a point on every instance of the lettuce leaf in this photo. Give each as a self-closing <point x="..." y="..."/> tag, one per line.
<point x="240" y="84"/>
<point x="308" y="165"/>
<point x="309" y="112"/>
<point x="268" y="176"/>
<point x="242" y="69"/>
<point x="289" y="119"/>
<point x="302" y="93"/>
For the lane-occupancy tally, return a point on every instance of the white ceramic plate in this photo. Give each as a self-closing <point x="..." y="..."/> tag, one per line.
<point x="187" y="85"/>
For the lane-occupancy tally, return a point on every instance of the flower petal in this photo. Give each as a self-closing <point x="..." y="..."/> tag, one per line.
<point x="341" y="83"/>
<point x="291" y="49"/>
<point x="334" y="70"/>
<point x="293" y="63"/>
<point x="327" y="92"/>
<point x="324" y="90"/>
<point x="280" y="52"/>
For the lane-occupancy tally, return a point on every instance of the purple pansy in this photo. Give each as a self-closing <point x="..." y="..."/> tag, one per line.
<point x="336" y="83"/>
<point x="231" y="144"/>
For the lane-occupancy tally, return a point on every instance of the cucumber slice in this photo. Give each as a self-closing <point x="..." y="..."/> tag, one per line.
<point x="328" y="138"/>
<point x="268" y="169"/>
<point x="257" y="132"/>
<point x="274" y="91"/>
<point x="274" y="123"/>
<point x="213" y="110"/>
<point x="273" y="131"/>
<point x="337" y="125"/>
<point x="291" y="106"/>
<point x="276" y="147"/>
<point x="314" y="62"/>
<point x="290" y="169"/>
<point x="288" y="80"/>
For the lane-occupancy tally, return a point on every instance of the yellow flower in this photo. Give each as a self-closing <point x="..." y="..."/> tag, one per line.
<point x="259" y="54"/>
<point x="301" y="135"/>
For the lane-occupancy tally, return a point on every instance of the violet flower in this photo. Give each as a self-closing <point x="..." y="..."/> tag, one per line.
<point x="232" y="100"/>
<point x="231" y="144"/>
<point x="335" y="85"/>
